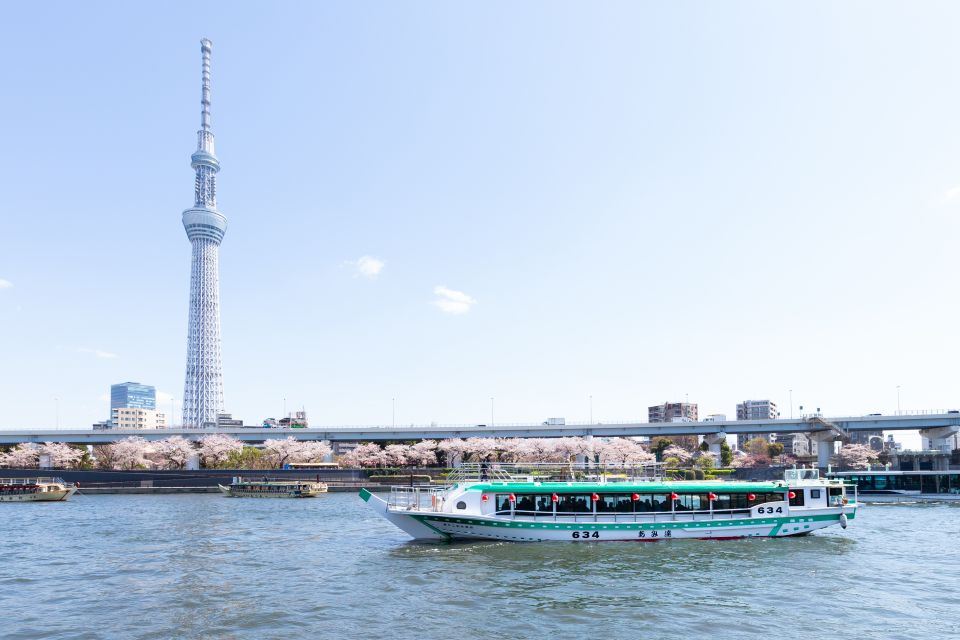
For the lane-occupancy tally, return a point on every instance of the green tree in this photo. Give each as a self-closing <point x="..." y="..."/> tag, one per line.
<point x="658" y="444"/>
<point x="774" y="450"/>
<point x="726" y="454"/>
<point x="757" y="446"/>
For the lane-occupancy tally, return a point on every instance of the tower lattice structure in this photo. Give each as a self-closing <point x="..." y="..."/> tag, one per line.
<point x="205" y="227"/>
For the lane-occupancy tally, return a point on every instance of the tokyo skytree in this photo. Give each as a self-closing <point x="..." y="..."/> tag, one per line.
<point x="205" y="226"/>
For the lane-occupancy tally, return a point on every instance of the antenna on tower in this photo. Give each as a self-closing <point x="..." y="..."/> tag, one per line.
<point x="206" y="47"/>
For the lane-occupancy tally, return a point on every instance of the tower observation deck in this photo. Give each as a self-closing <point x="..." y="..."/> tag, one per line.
<point x="205" y="227"/>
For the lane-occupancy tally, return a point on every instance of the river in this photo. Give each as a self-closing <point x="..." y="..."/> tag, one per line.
<point x="204" y="566"/>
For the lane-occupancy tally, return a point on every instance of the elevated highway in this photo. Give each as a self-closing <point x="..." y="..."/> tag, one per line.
<point x="939" y="427"/>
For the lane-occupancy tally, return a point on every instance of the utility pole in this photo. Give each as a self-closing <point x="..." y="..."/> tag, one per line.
<point x="591" y="409"/>
<point x="393" y="412"/>
<point x="491" y="411"/>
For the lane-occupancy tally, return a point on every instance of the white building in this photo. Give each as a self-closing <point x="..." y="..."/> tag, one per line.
<point x="136" y="418"/>
<point x="757" y="410"/>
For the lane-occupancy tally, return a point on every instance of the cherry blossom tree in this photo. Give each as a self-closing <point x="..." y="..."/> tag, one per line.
<point x="173" y="452"/>
<point x="23" y="456"/>
<point x="423" y="453"/>
<point x="540" y="449"/>
<point x="314" y="451"/>
<point x="481" y="448"/>
<point x="130" y="453"/>
<point x="453" y="450"/>
<point x="62" y="456"/>
<point x="396" y="454"/>
<point x="856" y="456"/>
<point x="568" y="448"/>
<point x="216" y="448"/>
<point x="681" y="455"/>
<point x="279" y="452"/>
<point x="625" y="451"/>
<point x="751" y="460"/>
<point x="365" y="455"/>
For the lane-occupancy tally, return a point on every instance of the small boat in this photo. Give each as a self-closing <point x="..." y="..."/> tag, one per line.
<point x="536" y="507"/>
<point x="35" y="490"/>
<point x="272" y="488"/>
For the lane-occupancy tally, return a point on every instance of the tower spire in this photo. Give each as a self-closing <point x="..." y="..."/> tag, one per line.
<point x="205" y="226"/>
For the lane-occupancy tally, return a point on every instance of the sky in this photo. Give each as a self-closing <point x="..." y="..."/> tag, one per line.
<point x="437" y="208"/>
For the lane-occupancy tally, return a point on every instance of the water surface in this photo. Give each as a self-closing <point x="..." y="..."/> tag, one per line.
<point x="204" y="566"/>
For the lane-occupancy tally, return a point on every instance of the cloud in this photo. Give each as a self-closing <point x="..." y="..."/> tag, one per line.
<point x="951" y="194"/>
<point x="366" y="266"/>
<point x="96" y="352"/>
<point x="452" y="301"/>
<point x="5" y="284"/>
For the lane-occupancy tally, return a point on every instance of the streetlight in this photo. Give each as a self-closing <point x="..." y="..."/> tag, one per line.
<point x="393" y="412"/>
<point x="791" y="404"/>
<point x="57" y="404"/>
<point x="491" y="411"/>
<point x="591" y="409"/>
<point x="898" y="399"/>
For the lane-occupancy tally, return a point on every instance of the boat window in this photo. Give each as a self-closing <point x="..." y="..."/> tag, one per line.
<point x="543" y="503"/>
<point x="797" y="499"/>
<point x="461" y="505"/>
<point x="814" y="494"/>
<point x="615" y="503"/>
<point x="503" y="502"/>
<point x="661" y="502"/>
<point x="575" y="503"/>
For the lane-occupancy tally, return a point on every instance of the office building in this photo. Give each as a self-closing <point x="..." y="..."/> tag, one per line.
<point x="132" y="395"/>
<point x="673" y="412"/>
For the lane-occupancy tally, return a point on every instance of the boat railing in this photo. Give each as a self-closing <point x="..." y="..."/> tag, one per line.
<point x="417" y="498"/>
<point x="556" y="472"/>
<point x="31" y="481"/>
<point x="636" y="516"/>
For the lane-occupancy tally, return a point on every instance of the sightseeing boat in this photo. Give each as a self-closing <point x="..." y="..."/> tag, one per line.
<point x="272" y="488"/>
<point x="35" y="490"/>
<point x="497" y="505"/>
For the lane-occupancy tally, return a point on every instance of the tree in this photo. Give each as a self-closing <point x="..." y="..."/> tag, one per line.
<point x="625" y="451"/>
<point x="856" y="456"/>
<point x="23" y="456"/>
<point x="216" y="449"/>
<point x="423" y="453"/>
<point x="173" y="452"/>
<point x="774" y="450"/>
<point x="757" y="446"/>
<point x="314" y="451"/>
<point x="539" y="450"/>
<point x="278" y="452"/>
<point x="130" y="453"/>
<point x="569" y="448"/>
<point x="480" y="448"/>
<point x="246" y="458"/>
<point x="453" y="450"/>
<point x="365" y="455"/>
<point x="62" y="456"/>
<point x="751" y="460"/>
<point x="681" y="455"/>
<point x="706" y="460"/>
<point x="396" y="454"/>
<point x="726" y="454"/>
<point x="659" y="444"/>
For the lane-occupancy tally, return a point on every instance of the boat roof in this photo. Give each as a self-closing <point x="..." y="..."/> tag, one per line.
<point x="627" y="487"/>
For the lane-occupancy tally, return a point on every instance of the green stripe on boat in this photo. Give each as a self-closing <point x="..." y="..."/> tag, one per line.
<point x="365" y="495"/>
<point x="776" y="523"/>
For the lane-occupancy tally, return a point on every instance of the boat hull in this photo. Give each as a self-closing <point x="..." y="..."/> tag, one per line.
<point x="436" y="526"/>
<point x="231" y="492"/>
<point x="44" y="496"/>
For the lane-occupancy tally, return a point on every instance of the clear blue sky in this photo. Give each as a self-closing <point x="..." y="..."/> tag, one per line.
<point x="637" y="201"/>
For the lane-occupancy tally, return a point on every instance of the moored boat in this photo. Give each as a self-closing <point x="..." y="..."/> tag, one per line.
<point x="35" y="490"/>
<point x="272" y="488"/>
<point x="508" y="507"/>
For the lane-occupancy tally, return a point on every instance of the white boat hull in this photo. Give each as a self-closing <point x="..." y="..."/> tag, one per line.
<point x="439" y="526"/>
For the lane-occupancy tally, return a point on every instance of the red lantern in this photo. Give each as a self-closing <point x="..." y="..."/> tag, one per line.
<point x="635" y="497"/>
<point x="595" y="497"/>
<point x="792" y="495"/>
<point x="484" y="498"/>
<point x="674" y="496"/>
<point x="712" y="497"/>
<point x="512" y="498"/>
<point x="555" y="498"/>
<point x="751" y="497"/>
